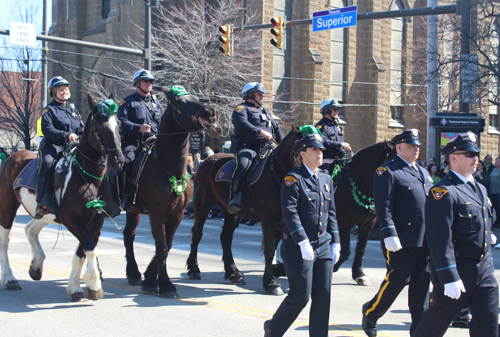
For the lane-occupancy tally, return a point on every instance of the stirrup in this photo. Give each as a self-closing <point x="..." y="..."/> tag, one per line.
<point x="234" y="205"/>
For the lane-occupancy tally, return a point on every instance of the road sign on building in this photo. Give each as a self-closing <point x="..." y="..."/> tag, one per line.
<point x="469" y="74"/>
<point x="335" y="18"/>
<point x="22" y="34"/>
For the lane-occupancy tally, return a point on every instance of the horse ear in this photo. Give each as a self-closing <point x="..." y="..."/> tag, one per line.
<point x="389" y="145"/>
<point x="111" y="96"/>
<point x="294" y="129"/>
<point x="91" y="102"/>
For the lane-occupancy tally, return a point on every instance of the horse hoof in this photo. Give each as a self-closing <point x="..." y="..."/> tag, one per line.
<point x="149" y="289"/>
<point x="363" y="281"/>
<point x="237" y="280"/>
<point x="78" y="297"/>
<point x="194" y="276"/>
<point x="134" y="281"/>
<point x="276" y="291"/>
<point x="35" y="274"/>
<point x="94" y="295"/>
<point x="12" y="285"/>
<point x="169" y="294"/>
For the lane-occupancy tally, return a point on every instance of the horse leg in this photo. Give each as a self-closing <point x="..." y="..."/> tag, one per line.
<point x="132" y="270"/>
<point x="7" y="277"/>
<point x="271" y="286"/>
<point x="8" y="210"/>
<point x="357" y="266"/>
<point x="32" y="231"/>
<point x="226" y="239"/>
<point x="200" y="217"/>
<point x="74" y="290"/>
<point x="92" y="276"/>
<point x="345" y="245"/>
<point x="278" y="266"/>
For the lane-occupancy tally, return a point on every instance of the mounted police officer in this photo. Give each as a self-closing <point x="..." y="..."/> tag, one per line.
<point x="333" y="136"/>
<point x="140" y="115"/>
<point x="311" y="241"/>
<point x="400" y="188"/>
<point x="61" y="123"/>
<point x="460" y="237"/>
<point x="253" y="127"/>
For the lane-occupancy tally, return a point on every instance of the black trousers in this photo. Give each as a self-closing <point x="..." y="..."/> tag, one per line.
<point x="306" y="279"/>
<point x="244" y="157"/>
<point x="48" y="159"/>
<point x="407" y="266"/>
<point x="481" y="296"/>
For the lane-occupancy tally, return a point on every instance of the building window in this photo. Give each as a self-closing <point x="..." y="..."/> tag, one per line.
<point x="338" y="61"/>
<point x="106" y="8"/>
<point x="494" y="81"/>
<point x="397" y="71"/>
<point x="282" y="84"/>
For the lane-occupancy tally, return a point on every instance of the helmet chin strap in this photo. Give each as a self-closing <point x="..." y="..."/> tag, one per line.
<point x="145" y="93"/>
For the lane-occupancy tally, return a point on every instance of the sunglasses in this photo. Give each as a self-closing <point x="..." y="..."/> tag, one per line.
<point x="468" y="154"/>
<point x="149" y="81"/>
<point x="335" y="109"/>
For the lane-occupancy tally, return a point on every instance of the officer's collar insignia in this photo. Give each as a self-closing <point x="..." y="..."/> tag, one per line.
<point x="472" y="136"/>
<point x="239" y="108"/>
<point x="289" y="180"/>
<point x="438" y="192"/>
<point x="380" y="170"/>
<point x="327" y="188"/>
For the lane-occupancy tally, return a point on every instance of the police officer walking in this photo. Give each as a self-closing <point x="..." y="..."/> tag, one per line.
<point x="333" y="136"/>
<point x="460" y="236"/>
<point x="253" y="127"/>
<point x="60" y="123"/>
<point x="140" y="115"/>
<point x="311" y="241"/>
<point x="400" y="188"/>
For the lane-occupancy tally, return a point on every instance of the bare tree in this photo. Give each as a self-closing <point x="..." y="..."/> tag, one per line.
<point x="19" y="81"/>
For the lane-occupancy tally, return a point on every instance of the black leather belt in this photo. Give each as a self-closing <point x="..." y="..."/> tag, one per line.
<point x="457" y="254"/>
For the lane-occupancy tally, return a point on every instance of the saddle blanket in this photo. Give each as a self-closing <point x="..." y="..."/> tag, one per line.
<point x="226" y="172"/>
<point x="27" y="177"/>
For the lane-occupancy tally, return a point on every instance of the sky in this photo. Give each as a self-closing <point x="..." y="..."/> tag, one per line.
<point x="7" y="5"/>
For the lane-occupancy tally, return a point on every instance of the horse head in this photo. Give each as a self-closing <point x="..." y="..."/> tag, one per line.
<point x="189" y="112"/>
<point x="284" y="150"/>
<point x="369" y="158"/>
<point x="104" y="134"/>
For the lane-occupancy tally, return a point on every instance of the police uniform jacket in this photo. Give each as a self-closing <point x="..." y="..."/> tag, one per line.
<point x="458" y="225"/>
<point x="333" y="137"/>
<point x="248" y="122"/>
<point x="59" y="121"/>
<point x="308" y="206"/>
<point x="136" y="110"/>
<point x="399" y="193"/>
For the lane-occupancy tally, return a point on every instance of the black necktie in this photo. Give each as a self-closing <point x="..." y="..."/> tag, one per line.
<point x="315" y="178"/>
<point x="474" y="188"/>
<point x="416" y="169"/>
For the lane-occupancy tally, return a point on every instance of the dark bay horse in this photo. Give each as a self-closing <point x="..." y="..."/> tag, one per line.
<point x="261" y="202"/>
<point x="164" y="189"/>
<point x="99" y="145"/>
<point x="356" y="183"/>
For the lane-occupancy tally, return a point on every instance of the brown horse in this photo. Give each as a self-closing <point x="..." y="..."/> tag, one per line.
<point x="261" y="202"/>
<point x="164" y="189"/>
<point x="99" y="145"/>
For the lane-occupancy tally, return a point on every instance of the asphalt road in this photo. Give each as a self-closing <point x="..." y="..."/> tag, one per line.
<point x="210" y="307"/>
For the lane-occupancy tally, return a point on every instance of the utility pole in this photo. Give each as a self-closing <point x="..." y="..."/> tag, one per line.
<point x="465" y="10"/>
<point x="43" y="79"/>
<point x="147" y="35"/>
<point x="432" y="78"/>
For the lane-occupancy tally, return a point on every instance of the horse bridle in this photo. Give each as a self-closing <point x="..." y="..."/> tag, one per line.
<point x="199" y="121"/>
<point x="104" y="150"/>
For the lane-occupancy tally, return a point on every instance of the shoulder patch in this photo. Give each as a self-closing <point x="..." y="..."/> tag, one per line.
<point x="44" y="111"/>
<point x="380" y="170"/>
<point x="290" y="180"/>
<point x="320" y="127"/>
<point x="438" y="192"/>
<point x="122" y="102"/>
<point x="239" y="108"/>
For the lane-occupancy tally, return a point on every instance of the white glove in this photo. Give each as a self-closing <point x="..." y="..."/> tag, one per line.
<point x="307" y="250"/>
<point x="454" y="289"/>
<point x="493" y="239"/>
<point x="335" y="248"/>
<point x="392" y="243"/>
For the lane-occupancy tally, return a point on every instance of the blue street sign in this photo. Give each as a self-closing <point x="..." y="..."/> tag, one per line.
<point x="335" y="18"/>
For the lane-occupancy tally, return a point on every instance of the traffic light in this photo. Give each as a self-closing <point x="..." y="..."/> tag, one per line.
<point x="277" y="41"/>
<point x="225" y="39"/>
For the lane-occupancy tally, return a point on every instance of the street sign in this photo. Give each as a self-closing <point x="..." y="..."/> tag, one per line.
<point x="22" y="34"/>
<point x="335" y="18"/>
<point x="469" y="74"/>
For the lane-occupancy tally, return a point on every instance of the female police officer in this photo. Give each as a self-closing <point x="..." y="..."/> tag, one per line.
<point x="311" y="242"/>
<point x="61" y="123"/>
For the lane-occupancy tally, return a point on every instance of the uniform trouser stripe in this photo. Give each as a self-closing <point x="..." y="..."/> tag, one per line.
<point x="382" y="289"/>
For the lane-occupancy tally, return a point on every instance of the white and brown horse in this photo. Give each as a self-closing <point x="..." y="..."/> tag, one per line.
<point x="84" y="184"/>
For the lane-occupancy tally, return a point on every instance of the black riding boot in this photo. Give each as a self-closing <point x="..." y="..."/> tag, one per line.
<point x="48" y="203"/>
<point x="235" y="202"/>
<point x="125" y="201"/>
<point x="40" y="182"/>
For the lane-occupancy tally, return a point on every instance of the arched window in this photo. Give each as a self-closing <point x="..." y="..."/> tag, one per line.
<point x="397" y="70"/>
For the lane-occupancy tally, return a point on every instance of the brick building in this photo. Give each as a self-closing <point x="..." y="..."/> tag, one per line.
<point x="367" y="68"/>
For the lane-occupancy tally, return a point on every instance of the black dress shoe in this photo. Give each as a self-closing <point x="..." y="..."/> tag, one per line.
<point x="267" y="329"/>
<point x="369" y="326"/>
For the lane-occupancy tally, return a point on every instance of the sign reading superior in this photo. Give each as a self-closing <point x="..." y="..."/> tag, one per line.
<point x="335" y="18"/>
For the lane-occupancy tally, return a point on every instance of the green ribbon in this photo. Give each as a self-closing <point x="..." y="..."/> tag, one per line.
<point x="309" y="129"/>
<point x="179" y="90"/>
<point x="81" y="168"/>
<point x="179" y="189"/>
<point x="336" y="171"/>
<point x="96" y="203"/>
<point x="107" y="107"/>
<point x="366" y="202"/>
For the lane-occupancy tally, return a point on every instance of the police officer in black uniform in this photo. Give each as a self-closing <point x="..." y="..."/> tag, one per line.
<point x="460" y="236"/>
<point x="140" y="115"/>
<point x="253" y="127"/>
<point x="400" y="188"/>
<point x="311" y="241"/>
<point x="333" y="136"/>
<point x="61" y="123"/>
